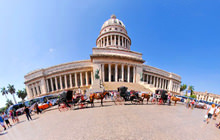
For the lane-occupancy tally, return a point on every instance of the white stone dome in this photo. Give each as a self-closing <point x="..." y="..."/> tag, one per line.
<point x="113" y="21"/>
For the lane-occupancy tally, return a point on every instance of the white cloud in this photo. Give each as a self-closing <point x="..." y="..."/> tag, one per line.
<point x="51" y="50"/>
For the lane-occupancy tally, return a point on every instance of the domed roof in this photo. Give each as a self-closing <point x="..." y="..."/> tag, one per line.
<point x="113" y="21"/>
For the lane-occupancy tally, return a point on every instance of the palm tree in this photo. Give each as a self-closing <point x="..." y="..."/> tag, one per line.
<point x="183" y="87"/>
<point x="11" y="90"/>
<point x="22" y="94"/>
<point x="191" y="88"/>
<point x="8" y="103"/>
<point x="4" y="92"/>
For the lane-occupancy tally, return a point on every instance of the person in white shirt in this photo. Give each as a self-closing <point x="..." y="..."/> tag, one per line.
<point x="210" y="112"/>
<point x="5" y="116"/>
<point x="216" y="112"/>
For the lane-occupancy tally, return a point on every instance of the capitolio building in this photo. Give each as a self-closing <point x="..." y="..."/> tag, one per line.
<point x="112" y="64"/>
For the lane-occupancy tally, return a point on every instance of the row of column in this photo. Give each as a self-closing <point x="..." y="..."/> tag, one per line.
<point x="118" y="74"/>
<point x="175" y="87"/>
<point x="114" y="40"/>
<point x="60" y="84"/>
<point x="34" y="89"/>
<point x="156" y="81"/>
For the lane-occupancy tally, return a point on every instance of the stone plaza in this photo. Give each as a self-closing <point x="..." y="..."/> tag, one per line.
<point x="125" y="122"/>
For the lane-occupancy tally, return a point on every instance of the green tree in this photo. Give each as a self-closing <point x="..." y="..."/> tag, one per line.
<point x="183" y="87"/>
<point x="11" y="89"/>
<point x="8" y="103"/>
<point x="4" y="92"/>
<point x="22" y="94"/>
<point x="191" y="88"/>
<point x="193" y="96"/>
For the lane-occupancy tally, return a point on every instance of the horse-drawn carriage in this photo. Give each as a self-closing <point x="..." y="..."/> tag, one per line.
<point x="66" y="101"/>
<point x="129" y="96"/>
<point x="161" y="96"/>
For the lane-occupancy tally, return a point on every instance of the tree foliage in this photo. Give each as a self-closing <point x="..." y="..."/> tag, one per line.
<point x="22" y="94"/>
<point x="11" y="89"/>
<point x="4" y="92"/>
<point x="192" y="89"/>
<point x="183" y="87"/>
<point x="8" y="103"/>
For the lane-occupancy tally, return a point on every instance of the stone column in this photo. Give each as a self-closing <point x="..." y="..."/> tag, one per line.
<point x="103" y="72"/>
<point x="116" y="72"/>
<point x="48" y="90"/>
<point x="122" y="41"/>
<point x="109" y="72"/>
<point x="56" y="83"/>
<point x="65" y="79"/>
<point x="35" y="94"/>
<point x="134" y="73"/>
<point x="92" y="77"/>
<point x="154" y="80"/>
<point x="119" y="40"/>
<point x="107" y="42"/>
<point x="71" y="81"/>
<point x="150" y="79"/>
<point x="103" y="41"/>
<point x="51" y="82"/>
<point x="87" y="78"/>
<point x="128" y="74"/>
<point x="61" y="83"/>
<point x="76" y="84"/>
<point x="115" y="40"/>
<point x="37" y="87"/>
<point x="157" y="82"/>
<point x="147" y="78"/>
<point x="81" y="81"/>
<point x="111" y="41"/>
<point x="122" y="72"/>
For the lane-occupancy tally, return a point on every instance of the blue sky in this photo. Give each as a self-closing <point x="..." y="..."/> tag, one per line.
<point x="181" y="36"/>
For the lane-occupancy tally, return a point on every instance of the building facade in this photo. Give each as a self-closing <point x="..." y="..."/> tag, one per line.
<point x="112" y="64"/>
<point x="209" y="97"/>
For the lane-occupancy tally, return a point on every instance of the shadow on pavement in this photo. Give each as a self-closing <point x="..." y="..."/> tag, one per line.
<point x="35" y="118"/>
<point x="3" y="133"/>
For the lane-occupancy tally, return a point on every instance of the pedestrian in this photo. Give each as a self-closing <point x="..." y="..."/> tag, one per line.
<point x="187" y="103"/>
<point x="37" y="108"/>
<point x="169" y="99"/>
<point x="27" y="112"/>
<point x="192" y="104"/>
<point x="12" y="116"/>
<point x="5" y="116"/>
<point x="2" y="122"/>
<point x="15" y="116"/>
<point x="216" y="112"/>
<point x="210" y="113"/>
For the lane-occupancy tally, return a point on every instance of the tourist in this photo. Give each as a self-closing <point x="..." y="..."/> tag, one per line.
<point x="169" y="99"/>
<point x="12" y="116"/>
<point x="187" y="103"/>
<point x="27" y="112"/>
<point x="37" y="108"/>
<point x="5" y="116"/>
<point x="2" y="122"/>
<point x="216" y="112"/>
<point x="192" y="104"/>
<point x="218" y="125"/>
<point x="210" y="112"/>
<point x="15" y="116"/>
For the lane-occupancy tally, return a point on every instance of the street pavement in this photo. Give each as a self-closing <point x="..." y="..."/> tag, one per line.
<point x="118" y="122"/>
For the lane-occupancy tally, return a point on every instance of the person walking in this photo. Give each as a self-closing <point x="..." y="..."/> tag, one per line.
<point x="37" y="108"/>
<point x="27" y="112"/>
<point x="216" y="112"/>
<point x="210" y="113"/>
<point x="169" y="99"/>
<point x="5" y="116"/>
<point x="192" y="104"/>
<point x="2" y="122"/>
<point x="15" y="116"/>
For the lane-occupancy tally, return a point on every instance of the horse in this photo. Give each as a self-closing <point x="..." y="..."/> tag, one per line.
<point x="145" y="95"/>
<point x="175" y="99"/>
<point x="98" y="96"/>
